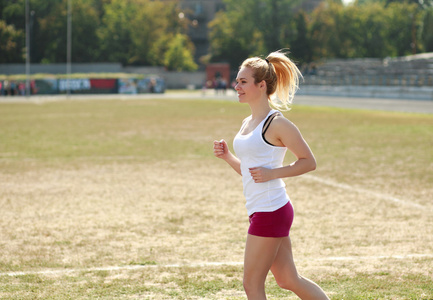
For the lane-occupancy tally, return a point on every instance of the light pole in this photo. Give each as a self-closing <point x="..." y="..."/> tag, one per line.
<point x="27" y="49"/>
<point x="68" y="48"/>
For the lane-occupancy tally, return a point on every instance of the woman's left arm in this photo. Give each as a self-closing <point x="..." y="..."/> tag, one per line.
<point x="284" y="133"/>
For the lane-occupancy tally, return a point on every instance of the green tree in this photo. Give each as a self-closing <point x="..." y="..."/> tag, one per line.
<point x="323" y="31"/>
<point x="365" y="29"/>
<point x="420" y="3"/>
<point x="133" y="32"/>
<point x="114" y="33"/>
<point x="402" y="25"/>
<point x="231" y="41"/>
<point x="373" y="31"/>
<point x="427" y="31"/>
<point x="301" y="45"/>
<point x="11" y="43"/>
<point x="12" y="13"/>
<point x="137" y="32"/>
<point x="154" y="25"/>
<point x="179" y="55"/>
<point x="85" y="22"/>
<point x="251" y="27"/>
<point x="48" y="28"/>
<point x="277" y="23"/>
<point x="145" y="32"/>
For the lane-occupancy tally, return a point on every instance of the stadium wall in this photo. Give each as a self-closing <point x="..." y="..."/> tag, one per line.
<point x="173" y="80"/>
<point x="15" y="69"/>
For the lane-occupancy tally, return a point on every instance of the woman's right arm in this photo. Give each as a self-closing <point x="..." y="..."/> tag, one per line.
<point x="221" y="150"/>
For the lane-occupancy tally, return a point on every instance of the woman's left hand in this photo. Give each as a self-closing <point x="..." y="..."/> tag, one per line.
<point x="261" y="174"/>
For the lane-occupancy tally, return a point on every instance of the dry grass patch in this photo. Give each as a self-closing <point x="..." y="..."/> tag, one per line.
<point x="106" y="215"/>
<point x="121" y="183"/>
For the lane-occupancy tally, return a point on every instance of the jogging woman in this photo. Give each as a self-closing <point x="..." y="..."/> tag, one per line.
<point x="260" y="147"/>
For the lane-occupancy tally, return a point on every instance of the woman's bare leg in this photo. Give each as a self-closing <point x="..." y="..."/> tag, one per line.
<point x="287" y="277"/>
<point x="260" y="253"/>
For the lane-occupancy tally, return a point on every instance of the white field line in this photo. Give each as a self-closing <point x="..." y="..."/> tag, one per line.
<point x="347" y="187"/>
<point x="207" y="264"/>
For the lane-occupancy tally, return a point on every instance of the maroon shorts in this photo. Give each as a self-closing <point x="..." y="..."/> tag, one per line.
<point x="272" y="224"/>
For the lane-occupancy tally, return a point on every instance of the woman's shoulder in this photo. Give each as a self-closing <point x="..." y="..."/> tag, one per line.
<point x="279" y="117"/>
<point x="280" y="122"/>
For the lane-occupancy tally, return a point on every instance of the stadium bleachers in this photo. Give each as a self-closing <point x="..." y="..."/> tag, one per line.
<point x="414" y="70"/>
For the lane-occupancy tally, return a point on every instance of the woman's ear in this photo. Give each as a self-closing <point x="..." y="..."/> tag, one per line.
<point x="262" y="84"/>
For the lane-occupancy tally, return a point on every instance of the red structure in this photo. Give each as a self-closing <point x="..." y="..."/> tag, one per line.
<point x="216" y="73"/>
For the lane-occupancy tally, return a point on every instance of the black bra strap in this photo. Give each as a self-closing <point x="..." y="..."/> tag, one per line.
<point x="266" y="125"/>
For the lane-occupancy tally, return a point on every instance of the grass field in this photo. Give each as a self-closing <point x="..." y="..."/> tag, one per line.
<point x="124" y="199"/>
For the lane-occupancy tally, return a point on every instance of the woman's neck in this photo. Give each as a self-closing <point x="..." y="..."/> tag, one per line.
<point x="260" y="109"/>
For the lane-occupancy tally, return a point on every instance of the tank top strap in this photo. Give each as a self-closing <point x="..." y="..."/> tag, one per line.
<point x="269" y="120"/>
<point x="268" y="123"/>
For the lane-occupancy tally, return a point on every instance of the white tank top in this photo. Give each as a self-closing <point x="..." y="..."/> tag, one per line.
<point x="254" y="151"/>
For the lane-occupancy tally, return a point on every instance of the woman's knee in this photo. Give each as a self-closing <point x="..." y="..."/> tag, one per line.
<point x="289" y="283"/>
<point x="249" y="285"/>
<point x="253" y="287"/>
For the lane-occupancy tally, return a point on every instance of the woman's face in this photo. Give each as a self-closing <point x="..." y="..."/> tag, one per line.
<point x="246" y="88"/>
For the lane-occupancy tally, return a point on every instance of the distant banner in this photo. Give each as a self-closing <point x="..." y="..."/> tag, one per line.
<point x="150" y="85"/>
<point x="127" y="86"/>
<point x="74" y="84"/>
<point x="45" y="86"/>
<point x="103" y="84"/>
<point x="84" y="86"/>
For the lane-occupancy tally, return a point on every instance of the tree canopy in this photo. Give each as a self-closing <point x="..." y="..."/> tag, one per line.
<point x="132" y="32"/>
<point x="153" y="32"/>
<point x="365" y="28"/>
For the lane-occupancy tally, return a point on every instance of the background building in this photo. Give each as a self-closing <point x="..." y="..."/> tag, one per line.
<point x="201" y="12"/>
